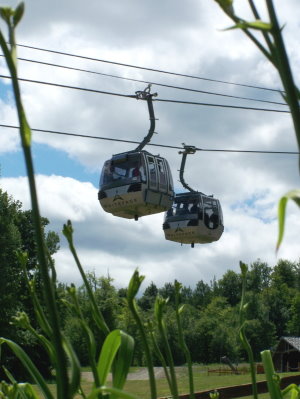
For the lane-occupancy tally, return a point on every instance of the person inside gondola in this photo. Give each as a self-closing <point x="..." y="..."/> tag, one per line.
<point x="170" y="212"/>
<point x="194" y="207"/>
<point x="214" y="220"/>
<point x="182" y="209"/>
<point x="136" y="171"/>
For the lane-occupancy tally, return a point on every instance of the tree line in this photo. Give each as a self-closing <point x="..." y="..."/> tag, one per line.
<point x="210" y="316"/>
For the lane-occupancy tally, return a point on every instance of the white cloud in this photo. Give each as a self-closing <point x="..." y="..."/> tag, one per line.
<point x="185" y="38"/>
<point x="116" y="246"/>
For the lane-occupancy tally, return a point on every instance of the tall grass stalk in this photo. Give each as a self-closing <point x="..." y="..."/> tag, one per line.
<point x="273" y="48"/>
<point x="117" y="347"/>
<point x="182" y="343"/>
<point x="133" y="288"/>
<point x="159" y="354"/>
<point x="12" y="18"/>
<point x="68" y="233"/>
<point x="242" y="323"/>
<point x="159" y="306"/>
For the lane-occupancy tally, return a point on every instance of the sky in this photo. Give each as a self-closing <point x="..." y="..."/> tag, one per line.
<point x="188" y="38"/>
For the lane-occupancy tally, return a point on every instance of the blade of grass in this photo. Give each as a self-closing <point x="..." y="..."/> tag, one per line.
<point x="108" y="352"/>
<point x="30" y="367"/>
<point x="123" y="360"/>
<point x="271" y="376"/>
<point x="291" y="195"/>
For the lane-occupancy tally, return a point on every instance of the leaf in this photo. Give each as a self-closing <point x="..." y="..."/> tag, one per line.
<point x="116" y="392"/>
<point x="30" y="367"/>
<point x="27" y="391"/>
<point x="74" y="367"/>
<point x="134" y="285"/>
<point x="244" y="268"/>
<point x="273" y="384"/>
<point x="258" y="25"/>
<point x="18" y="14"/>
<point x="180" y="310"/>
<point x="24" y="127"/>
<point x="6" y="13"/>
<point x="123" y="360"/>
<point x="227" y="6"/>
<point x="293" y="195"/>
<point x="108" y="352"/>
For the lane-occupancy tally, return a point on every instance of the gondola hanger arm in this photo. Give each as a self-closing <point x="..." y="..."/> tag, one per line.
<point x="146" y="95"/>
<point x="188" y="149"/>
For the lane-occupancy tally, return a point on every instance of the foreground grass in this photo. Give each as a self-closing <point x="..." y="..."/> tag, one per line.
<point x="202" y="380"/>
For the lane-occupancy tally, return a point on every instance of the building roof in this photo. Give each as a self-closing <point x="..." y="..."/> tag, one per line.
<point x="293" y="341"/>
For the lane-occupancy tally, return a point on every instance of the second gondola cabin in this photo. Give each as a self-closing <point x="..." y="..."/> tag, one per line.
<point x="135" y="184"/>
<point x="194" y="218"/>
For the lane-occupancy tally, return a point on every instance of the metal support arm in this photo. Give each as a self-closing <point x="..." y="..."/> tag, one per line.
<point x="146" y="95"/>
<point x="188" y="149"/>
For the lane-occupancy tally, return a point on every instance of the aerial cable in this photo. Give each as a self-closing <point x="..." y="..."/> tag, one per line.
<point x="147" y="69"/>
<point x="157" y="99"/>
<point x="222" y="105"/>
<point x="153" y="144"/>
<point x="148" y="82"/>
<point x="70" y="87"/>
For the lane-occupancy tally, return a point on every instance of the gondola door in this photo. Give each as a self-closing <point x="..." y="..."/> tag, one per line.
<point x="162" y="175"/>
<point x="152" y="173"/>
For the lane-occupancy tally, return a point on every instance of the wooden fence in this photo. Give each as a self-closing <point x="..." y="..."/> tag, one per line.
<point x="238" y="391"/>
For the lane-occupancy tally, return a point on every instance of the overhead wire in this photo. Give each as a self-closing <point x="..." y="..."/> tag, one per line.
<point x="154" y="99"/>
<point x="148" y="82"/>
<point x="153" y="144"/>
<point x="148" y="69"/>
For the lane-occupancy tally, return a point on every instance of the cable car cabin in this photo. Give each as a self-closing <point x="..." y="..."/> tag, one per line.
<point x="194" y="218"/>
<point x="135" y="184"/>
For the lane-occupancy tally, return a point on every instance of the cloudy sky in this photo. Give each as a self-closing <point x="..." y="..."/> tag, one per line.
<point x="183" y="37"/>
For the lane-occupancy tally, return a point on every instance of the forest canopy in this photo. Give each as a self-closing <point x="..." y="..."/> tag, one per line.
<point x="210" y="317"/>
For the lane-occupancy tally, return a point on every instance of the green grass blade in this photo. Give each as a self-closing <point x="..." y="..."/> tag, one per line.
<point x="273" y="383"/>
<point x="123" y="360"/>
<point x="113" y="391"/>
<point x="74" y="367"/>
<point x="292" y="390"/>
<point x="97" y="315"/>
<point x="291" y="195"/>
<point x="182" y="343"/>
<point x="107" y="355"/>
<point x="30" y="367"/>
<point x="133" y="288"/>
<point x="26" y="391"/>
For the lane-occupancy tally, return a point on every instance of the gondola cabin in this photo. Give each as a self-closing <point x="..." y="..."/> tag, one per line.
<point x="135" y="184"/>
<point x="194" y="218"/>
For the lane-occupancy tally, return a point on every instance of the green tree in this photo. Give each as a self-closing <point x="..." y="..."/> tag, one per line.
<point x="285" y="272"/>
<point x="293" y="324"/>
<point x="168" y="291"/>
<point x="17" y="234"/>
<point x="279" y="303"/>
<point x="10" y="242"/>
<point x="258" y="277"/>
<point x="202" y="295"/>
<point x="214" y="332"/>
<point x="261" y="334"/>
<point x="146" y="302"/>
<point x="108" y="301"/>
<point x="230" y="286"/>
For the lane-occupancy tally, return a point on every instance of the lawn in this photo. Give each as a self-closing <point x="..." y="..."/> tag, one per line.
<point x="202" y="381"/>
